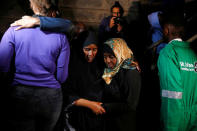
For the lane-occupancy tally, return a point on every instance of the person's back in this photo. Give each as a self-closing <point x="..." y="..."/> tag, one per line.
<point x="36" y="57"/>
<point x="178" y="79"/>
<point x="41" y="62"/>
<point x="185" y="58"/>
<point x="185" y="85"/>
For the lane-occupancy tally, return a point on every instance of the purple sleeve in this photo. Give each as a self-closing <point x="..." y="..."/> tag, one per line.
<point x="6" y="50"/>
<point x="63" y="60"/>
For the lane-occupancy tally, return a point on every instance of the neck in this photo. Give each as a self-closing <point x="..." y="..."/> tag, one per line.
<point x="173" y="37"/>
<point x="38" y="13"/>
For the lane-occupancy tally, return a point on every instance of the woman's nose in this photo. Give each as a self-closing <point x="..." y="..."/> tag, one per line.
<point x="90" y="52"/>
<point x="108" y="60"/>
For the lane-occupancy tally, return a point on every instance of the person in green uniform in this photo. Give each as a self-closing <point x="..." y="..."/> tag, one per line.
<point x="177" y="65"/>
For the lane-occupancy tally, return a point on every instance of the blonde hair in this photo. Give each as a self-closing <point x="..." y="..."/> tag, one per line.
<point x="42" y="6"/>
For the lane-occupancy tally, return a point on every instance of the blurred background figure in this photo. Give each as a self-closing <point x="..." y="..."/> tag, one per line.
<point x="114" y="26"/>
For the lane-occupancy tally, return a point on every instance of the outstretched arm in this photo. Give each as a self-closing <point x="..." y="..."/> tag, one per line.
<point x="26" y="22"/>
<point x="45" y="23"/>
<point x="93" y="105"/>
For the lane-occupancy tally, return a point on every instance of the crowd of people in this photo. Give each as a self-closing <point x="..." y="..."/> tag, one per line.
<point x="58" y="75"/>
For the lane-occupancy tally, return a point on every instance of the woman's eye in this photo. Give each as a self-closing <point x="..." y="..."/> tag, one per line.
<point x="87" y="49"/>
<point x="111" y="57"/>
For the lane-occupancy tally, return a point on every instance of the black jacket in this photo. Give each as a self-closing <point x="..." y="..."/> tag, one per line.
<point x="84" y="81"/>
<point x="121" y="99"/>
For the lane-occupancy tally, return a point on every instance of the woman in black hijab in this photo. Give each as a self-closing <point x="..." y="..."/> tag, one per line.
<point x="84" y="85"/>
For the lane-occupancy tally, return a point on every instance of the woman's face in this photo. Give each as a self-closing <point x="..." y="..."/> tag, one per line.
<point x="90" y="52"/>
<point x="110" y="60"/>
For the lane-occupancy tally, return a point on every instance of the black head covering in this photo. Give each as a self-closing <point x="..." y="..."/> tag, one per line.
<point x="91" y="39"/>
<point x="117" y="4"/>
<point x="107" y="49"/>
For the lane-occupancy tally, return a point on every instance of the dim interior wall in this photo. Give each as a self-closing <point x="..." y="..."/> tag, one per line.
<point x="90" y="12"/>
<point x="10" y="10"/>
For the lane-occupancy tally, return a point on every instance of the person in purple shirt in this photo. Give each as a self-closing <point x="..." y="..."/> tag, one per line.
<point x="41" y="64"/>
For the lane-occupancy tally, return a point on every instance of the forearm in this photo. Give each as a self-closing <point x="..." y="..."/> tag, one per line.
<point x="56" y="24"/>
<point x="83" y="102"/>
<point x="63" y="62"/>
<point x="93" y="105"/>
<point x="36" y="21"/>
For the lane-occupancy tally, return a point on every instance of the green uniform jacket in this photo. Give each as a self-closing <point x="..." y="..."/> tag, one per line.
<point x="177" y="65"/>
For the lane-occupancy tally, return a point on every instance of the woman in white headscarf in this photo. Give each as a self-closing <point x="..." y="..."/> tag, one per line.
<point x="122" y="90"/>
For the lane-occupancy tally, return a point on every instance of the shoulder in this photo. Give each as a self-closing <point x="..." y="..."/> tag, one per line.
<point x="168" y="50"/>
<point x="129" y="78"/>
<point x="9" y="33"/>
<point x="11" y="29"/>
<point x="132" y="73"/>
<point x="106" y="19"/>
<point x="128" y="73"/>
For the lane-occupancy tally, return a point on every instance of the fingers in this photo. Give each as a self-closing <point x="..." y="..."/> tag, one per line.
<point x="139" y="69"/>
<point x="17" y="23"/>
<point x="137" y="65"/>
<point x="20" y="21"/>
<point x="14" y="24"/>
<point x="100" y="110"/>
<point x="26" y="17"/>
<point x="18" y="28"/>
<point x="103" y="110"/>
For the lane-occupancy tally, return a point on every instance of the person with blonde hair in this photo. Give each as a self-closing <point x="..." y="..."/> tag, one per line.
<point x="41" y="65"/>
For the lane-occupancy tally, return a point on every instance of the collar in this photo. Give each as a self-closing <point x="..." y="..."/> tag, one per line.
<point x="177" y="39"/>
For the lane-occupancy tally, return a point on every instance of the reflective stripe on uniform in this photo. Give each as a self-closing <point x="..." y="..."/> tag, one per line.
<point x="172" y="94"/>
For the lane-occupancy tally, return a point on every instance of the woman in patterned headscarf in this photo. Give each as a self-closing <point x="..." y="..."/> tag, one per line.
<point x="122" y="88"/>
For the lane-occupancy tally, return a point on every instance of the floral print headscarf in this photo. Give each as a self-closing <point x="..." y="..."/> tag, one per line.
<point x="124" y="57"/>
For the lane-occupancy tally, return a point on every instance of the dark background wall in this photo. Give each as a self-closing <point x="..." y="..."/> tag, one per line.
<point x="90" y="12"/>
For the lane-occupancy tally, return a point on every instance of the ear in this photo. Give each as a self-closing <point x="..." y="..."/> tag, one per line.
<point x="166" y="30"/>
<point x="53" y="14"/>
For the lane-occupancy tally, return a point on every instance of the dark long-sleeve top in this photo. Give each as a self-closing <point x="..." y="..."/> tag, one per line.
<point x="56" y="24"/>
<point x="84" y="81"/>
<point x="121" y="99"/>
<point x="84" y="78"/>
<point x="105" y="32"/>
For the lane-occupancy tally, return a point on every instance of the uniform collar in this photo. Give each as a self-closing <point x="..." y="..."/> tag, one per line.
<point x="177" y="39"/>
